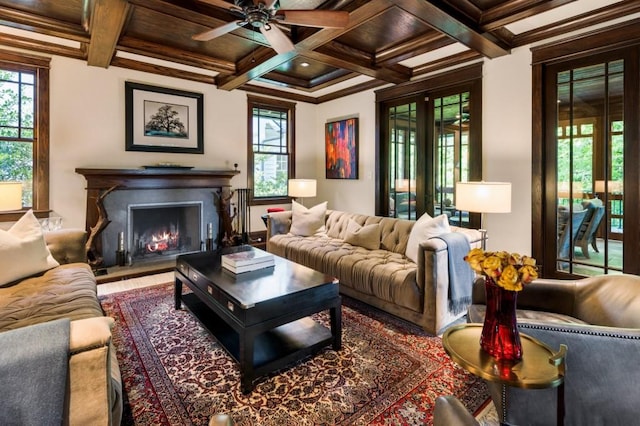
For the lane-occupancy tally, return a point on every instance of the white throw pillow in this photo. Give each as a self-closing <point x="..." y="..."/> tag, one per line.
<point x="306" y="222"/>
<point x="367" y="236"/>
<point x="23" y="251"/>
<point x="425" y="227"/>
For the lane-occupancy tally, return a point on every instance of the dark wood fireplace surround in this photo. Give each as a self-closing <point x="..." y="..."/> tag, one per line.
<point x="100" y="182"/>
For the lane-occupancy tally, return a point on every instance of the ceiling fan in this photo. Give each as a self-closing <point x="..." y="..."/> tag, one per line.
<point x="264" y="14"/>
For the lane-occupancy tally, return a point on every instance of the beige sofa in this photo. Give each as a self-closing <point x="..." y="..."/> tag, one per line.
<point x="383" y="277"/>
<point x="94" y="390"/>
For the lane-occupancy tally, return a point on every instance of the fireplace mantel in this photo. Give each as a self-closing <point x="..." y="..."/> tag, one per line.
<point x="156" y="178"/>
<point x="100" y="182"/>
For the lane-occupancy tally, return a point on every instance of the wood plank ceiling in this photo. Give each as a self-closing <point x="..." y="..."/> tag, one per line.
<point x="379" y="46"/>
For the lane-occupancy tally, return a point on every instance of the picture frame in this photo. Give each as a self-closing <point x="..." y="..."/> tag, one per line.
<point x="341" y="148"/>
<point x="160" y="119"/>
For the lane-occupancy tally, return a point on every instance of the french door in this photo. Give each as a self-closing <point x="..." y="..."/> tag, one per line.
<point x="591" y="149"/>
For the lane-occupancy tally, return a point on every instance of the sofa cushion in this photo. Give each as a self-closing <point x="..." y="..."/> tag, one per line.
<point x="476" y="314"/>
<point x="307" y="221"/>
<point x="367" y="236"/>
<point x="425" y="227"/>
<point x="68" y="291"/>
<point x="23" y="251"/>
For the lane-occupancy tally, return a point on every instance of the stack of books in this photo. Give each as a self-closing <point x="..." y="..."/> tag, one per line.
<point x="246" y="261"/>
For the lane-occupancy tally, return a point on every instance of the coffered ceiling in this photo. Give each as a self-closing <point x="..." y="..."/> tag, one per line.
<point x="385" y="41"/>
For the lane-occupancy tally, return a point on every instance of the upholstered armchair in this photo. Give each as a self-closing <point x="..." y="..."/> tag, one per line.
<point x="598" y="318"/>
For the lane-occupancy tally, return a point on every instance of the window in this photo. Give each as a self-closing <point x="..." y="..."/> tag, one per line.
<point x="24" y="131"/>
<point x="271" y="149"/>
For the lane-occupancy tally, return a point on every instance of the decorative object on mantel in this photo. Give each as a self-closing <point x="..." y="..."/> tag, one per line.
<point x="505" y="274"/>
<point x="168" y="166"/>
<point x="163" y="120"/>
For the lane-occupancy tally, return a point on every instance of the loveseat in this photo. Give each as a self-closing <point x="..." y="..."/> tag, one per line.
<point x="378" y="272"/>
<point x="598" y="318"/>
<point x="93" y="393"/>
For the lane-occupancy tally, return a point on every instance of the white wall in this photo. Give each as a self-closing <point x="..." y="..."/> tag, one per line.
<point x="356" y="196"/>
<point x="506" y="139"/>
<point x="88" y="130"/>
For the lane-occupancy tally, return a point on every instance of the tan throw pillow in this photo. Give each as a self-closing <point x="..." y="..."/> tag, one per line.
<point x="23" y="251"/>
<point x="425" y="227"/>
<point x="306" y="222"/>
<point x="367" y="236"/>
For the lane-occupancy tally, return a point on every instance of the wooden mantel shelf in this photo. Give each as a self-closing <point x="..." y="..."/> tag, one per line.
<point x="156" y="178"/>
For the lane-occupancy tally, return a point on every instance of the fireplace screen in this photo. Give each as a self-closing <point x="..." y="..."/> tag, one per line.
<point x="164" y="229"/>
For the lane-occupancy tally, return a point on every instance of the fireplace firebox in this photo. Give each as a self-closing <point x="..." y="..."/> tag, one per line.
<point x="164" y="229"/>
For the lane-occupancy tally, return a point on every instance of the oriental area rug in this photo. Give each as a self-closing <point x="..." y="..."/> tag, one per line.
<point x="388" y="372"/>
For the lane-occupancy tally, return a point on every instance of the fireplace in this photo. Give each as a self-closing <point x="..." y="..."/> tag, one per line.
<point x="164" y="229"/>
<point x="124" y="204"/>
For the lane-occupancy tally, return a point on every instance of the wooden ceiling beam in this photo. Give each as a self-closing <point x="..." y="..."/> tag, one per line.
<point x="447" y="24"/>
<point x="412" y="48"/>
<point x="40" y="24"/>
<point x="598" y="16"/>
<point x="171" y="54"/>
<point x="516" y="10"/>
<point x="41" y="46"/>
<point x="397" y="74"/>
<point x="107" y="21"/>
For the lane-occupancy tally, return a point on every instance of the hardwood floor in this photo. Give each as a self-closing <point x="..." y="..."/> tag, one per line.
<point x="138" y="282"/>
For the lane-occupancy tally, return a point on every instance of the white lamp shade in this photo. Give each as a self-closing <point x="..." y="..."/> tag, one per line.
<point x="10" y="196"/>
<point x="483" y="197"/>
<point x="404" y="185"/>
<point x="302" y="188"/>
<point x="577" y="190"/>
<point x="612" y="186"/>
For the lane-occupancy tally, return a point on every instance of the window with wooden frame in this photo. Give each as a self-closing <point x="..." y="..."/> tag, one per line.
<point x="271" y="148"/>
<point x="24" y="129"/>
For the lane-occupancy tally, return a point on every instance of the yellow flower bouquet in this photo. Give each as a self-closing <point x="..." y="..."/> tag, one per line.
<point x="508" y="270"/>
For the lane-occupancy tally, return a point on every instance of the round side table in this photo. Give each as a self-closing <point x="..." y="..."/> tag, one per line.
<point x="539" y="368"/>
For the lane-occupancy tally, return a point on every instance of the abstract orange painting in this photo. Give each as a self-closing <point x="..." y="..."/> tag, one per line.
<point x="341" y="147"/>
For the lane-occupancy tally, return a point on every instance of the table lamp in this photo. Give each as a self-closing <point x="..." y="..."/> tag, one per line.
<point x="483" y="197"/>
<point x="10" y="196"/>
<point x="301" y="188"/>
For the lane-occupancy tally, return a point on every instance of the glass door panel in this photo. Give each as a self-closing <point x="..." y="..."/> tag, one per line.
<point x="451" y="126"/>
<point x="402" y="160"/>
<point x="589" y="169"/>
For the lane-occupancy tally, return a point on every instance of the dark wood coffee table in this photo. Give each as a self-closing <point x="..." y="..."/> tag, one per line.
<point x="261" y="318"/>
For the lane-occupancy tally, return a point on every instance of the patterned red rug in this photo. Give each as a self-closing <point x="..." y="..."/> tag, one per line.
<point x="388" y="372"/>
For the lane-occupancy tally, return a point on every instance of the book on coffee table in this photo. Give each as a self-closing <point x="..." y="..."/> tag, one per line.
<point x="245" y="261"/>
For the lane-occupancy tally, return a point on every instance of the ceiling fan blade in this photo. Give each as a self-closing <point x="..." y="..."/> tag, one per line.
<point x="277" y="39"/>
<point x="216" y="32"/>
<point x="267" y="3"/>
<point x="314" y="18"/>
<point x="220" y="3"/>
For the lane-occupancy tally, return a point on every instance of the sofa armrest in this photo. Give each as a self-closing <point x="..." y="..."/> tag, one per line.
<point x="67" y="245"/>
<point x="278" y="223"/>
<point x="549" y="295"/>
<point x="94" y="395"/>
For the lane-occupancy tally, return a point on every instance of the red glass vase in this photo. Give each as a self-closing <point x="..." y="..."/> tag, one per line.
<point x="500" y="337"/>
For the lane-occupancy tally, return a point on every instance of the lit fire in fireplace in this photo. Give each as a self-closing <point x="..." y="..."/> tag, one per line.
<point x="162" y="242"/>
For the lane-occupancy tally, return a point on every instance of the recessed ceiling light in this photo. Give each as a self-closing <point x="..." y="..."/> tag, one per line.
<point x="304" y="64"/>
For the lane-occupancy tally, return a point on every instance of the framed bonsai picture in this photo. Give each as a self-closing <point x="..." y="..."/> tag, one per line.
<point x="341" y="148"/>
<point x="163" y="120"/>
